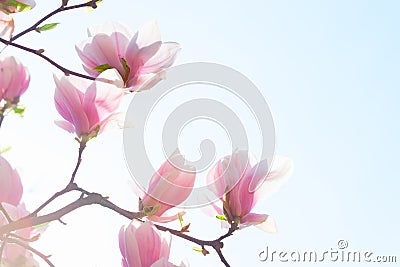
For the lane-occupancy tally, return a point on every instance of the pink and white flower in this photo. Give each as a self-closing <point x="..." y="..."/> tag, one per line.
<point x="169" y="186"/>
<point x="139" y="57"/>
<point x="14" y="79"/>
<point x="10" y="184"/>
<point x="142" y="245"/>
<point x="87" y="106"/>
<point x="240" y="184"/>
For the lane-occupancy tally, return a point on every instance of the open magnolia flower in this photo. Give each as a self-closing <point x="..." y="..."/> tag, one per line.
<point x="168" y="187"/>
<point x="240" y="184"/>
<point x="14" y="6"/>
<point x="87" y="106"/>
<point x="14" y="79"/>
<point x="10" y="184"/>
<point x="13" y="254"/>
<point x="140" y="58"/>
<point x="142" y="245"/>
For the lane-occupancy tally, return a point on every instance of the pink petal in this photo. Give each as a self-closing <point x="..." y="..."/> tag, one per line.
<point x="148" y="34"/>
<point x="6" y="27"/>
<point x="268" y="226"/>
<point x="212" y="209"/>
<point x="281" y="170"/>
<point x="253" y="219"/>
<point x="163" y="262"/>
<point x="109" y="28"/>
<point x="145" y="82"/>
<point x="131" y="247"/>
<point x="66" y="125"/>
<point x="164" y="58"/>
<point x="99" y="50"/>
<point x="10" y="184"/>
<point x="69" y="100"/>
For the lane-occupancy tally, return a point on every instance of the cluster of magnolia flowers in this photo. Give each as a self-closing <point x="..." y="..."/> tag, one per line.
<point x="122" y="61"/>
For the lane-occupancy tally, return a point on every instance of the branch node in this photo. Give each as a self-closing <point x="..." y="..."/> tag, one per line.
<point x="64" y="3"/>
<point x="93" y="4"/>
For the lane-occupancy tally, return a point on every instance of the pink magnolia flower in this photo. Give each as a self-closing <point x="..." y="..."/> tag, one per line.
<point x="12" y="6"/>
<point x="87" y="106"/>
<point x="142" y="245"/>
<point x="10" y="184"/>
<point x="240" y="185"/>
<point x="140" y="58"/>
<point x="14" y="79"/>
<point x="169" y="186"/>
<point x="15" y="255"/>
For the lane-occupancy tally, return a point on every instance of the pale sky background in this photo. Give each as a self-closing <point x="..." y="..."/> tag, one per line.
<point x="330" y="73"/>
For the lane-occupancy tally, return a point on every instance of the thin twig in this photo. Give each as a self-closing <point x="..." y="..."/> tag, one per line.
<point x="3" y="210"/>
<point x="222" y="258"/>
<point x="52" y="62"/>
<point x="70" y="186"/>
<point x="56" y="11"/>
<point x="2" y="115"/>
<point x="82" y="146"/>
<point x="32" y="239"/>
<point x="31" y="249"/>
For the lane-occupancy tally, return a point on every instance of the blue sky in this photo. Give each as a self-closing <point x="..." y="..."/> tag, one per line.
<point x="329" y="71"/>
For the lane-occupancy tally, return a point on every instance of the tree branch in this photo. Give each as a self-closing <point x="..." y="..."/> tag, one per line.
<point x="39" y="53"/>
<point x="63" y="7"/>
<point x="95" y="198"/>
<point x="54" y="216"/>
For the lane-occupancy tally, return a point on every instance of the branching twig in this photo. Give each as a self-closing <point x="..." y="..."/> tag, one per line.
<point x="67" y="189"/>
<point x="70" y="186"/>
<point x="95" y="198"/>
<point x="58" y="10"/>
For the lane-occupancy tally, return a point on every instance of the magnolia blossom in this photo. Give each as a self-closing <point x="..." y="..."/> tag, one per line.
<point x="140" y="58"/>
<point x="142" y="245"/>
<point x="10" y="184"/>
<point x="240" y="184"/>
<point x="168" y="187"/>
<point x="13" y="254"/>
<point x="13" y="6"/>
<point x="87" y="106"/>
<point x="14" y="79"/>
